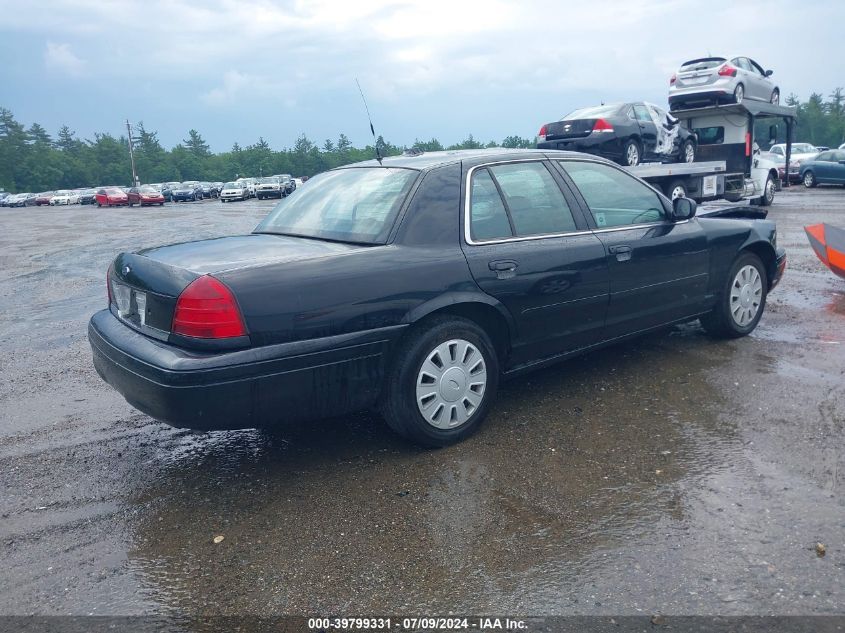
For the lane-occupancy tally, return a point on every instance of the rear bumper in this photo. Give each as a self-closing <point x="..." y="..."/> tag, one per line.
<point x="599" y="145"/>
<point x="256" y="387"/>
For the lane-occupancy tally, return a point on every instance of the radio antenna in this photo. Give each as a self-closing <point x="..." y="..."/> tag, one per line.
<point x="372" y="129"/>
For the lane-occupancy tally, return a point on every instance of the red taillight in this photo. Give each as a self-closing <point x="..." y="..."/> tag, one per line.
<point x="727" y="71"/>
<point x="673" y="79"/>
<point x="207" y="309"/>
<point x="602" y="126"/>
<point x="542" y="132"/>
<point x="748" y="143"/>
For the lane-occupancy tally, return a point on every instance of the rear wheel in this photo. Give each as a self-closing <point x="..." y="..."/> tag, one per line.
<point x="809" y="179"/>
<point x="631" y="153"/>
<point x="739" y="93"/>
<point x="775" y="97"/>
<point x="442" y="383"/>
<point x="741" y="302"/>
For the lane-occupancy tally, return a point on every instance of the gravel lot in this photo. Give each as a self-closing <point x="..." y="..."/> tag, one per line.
<point x="673" y="474"/>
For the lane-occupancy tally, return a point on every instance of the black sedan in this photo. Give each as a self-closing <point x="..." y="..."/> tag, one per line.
<point x="414" y="285"/>
<point x="629" y="133"/>
<point x="186" y="191"/>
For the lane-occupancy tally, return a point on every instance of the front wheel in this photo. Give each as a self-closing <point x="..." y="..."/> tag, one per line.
<point x="631" y="153"/>
<point x="775" y="97"/>
<point x="768" y="192"/>
<point x="742" y="300"/>
<point x="676" y="189"/>
<point x="809" y="179"/>
<point x="688" y="152"/>
<point x="739" y="93"/>
<point x="443" y="382"/>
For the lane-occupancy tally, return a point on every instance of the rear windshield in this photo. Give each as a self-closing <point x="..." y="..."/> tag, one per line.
<point x="347" y="205"/>
<point x="595" y="112"/>
<point x="703" y="64"/>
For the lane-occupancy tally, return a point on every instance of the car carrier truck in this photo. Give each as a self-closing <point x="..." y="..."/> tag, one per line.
<point x="728" y="162"/>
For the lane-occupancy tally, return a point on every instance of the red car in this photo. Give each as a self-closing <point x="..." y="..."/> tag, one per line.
<point x="111" y="196"/>
<point x="145" y="195"/>
<point x="44" y="198"/>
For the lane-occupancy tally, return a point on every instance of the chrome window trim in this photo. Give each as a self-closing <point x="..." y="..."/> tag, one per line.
<point x="467" y="203"/>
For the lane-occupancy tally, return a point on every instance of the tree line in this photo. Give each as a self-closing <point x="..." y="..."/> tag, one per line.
<point x="32" y="160"/>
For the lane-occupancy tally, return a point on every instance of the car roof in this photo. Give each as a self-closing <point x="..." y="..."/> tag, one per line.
<point x="429" y="160"/>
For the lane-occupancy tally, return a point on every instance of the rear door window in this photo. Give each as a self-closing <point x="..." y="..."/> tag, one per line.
<point x="517" y="200"/>
<point x="488" y="217"/>
<point x="615" y="198"/>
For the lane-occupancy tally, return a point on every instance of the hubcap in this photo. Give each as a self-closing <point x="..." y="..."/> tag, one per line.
<point x="775" y="97"/>
<point x="451" y="384"/>
<point x="689" y="153"/>
<point x="746" y="295"/>
<point x="739" y="94"/>
<point x="808" y="179"/>
<point x="633" y="155"/>
<point x="678" y="192"/>
<point x="770" y="190"/>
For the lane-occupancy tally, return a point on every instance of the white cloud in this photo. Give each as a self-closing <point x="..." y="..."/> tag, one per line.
<point x="234" y="84"/>
<point x="61" y="58"/>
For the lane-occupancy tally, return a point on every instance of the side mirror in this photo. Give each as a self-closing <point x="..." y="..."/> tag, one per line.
<point x="768" y="73"/>
<point x="683" y="208"/>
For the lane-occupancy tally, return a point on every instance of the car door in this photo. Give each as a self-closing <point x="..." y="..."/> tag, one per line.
<point x="529" y="246"/>
<point x="648" y="131"/>
<point x="838" y="167"/>
<point x="823" y="167"/>
<point x="755" y="84"/>
<point x="659" y="268"/>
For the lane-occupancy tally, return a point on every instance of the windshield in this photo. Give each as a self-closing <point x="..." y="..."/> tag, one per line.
<point x="231" y="185"/>
<point x="114" y="191"/>
<point x="803" y="148"/>
<point x="593" y="112"/>
<point x="267" y="181"/>
<point x="148" y="189"/>
<point x="348" y="205"/>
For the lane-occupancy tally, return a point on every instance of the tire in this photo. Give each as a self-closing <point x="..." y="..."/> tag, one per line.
<point x="809" y="179"/>
<point x="676" y="189"/>
<point x="739" y="294"/>
<point x="223" y="200"/>
<point x="632" y="153"/>
<point x="739" y="93"/>
<point x="768" y="196"/>
<point x="775" y="98"/>
<point x="161" y="204"/>
<point x="687" y="153"/>
<point x="415" y="369"/>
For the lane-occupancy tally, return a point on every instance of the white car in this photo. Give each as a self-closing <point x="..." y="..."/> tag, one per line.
<point x="800" y="151"/>
<point x="234" y="191"/>
<point x="297" y="182"/>
<point x="63" y="196"/>
<point x="717" y="79"/>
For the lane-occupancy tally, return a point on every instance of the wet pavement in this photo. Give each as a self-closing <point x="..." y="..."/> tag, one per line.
<point x="672" y="474"/>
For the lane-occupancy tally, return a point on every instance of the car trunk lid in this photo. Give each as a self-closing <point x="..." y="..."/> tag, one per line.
<point x="570" y="128"/>
<point x="145" y="286"/>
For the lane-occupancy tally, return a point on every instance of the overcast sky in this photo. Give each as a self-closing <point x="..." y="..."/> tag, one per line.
<point x="239" y="69"/>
